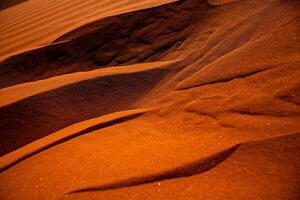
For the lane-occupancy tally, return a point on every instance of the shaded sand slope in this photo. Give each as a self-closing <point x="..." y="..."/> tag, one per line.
<point x="22" y="91"/>
<point x="129" y="38"/>
<point x="60" y="101"/>
<point x="38" y="22"/>
<point x="210" y="95"/>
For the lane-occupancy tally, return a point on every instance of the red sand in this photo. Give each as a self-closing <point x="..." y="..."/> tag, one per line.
<point x="191" y="99"/>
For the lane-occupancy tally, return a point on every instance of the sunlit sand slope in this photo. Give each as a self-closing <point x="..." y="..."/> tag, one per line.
<point x="184" y="100"/>
<point x="38" y="22"/>
<point x="245" y="173"/>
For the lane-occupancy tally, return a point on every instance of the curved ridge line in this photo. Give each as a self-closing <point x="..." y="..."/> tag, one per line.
<point x="186" y="170"/>
<point x="218" y="43"/>
<point x="66" y="134"/>
<point x="226" y="80"/>
<point x="22" y="91"/>
<point x="40" y="38"/>
<point x="38" y="12"/>
<point x="51" y="19"/>
<point x="29" y="49"/>
<point x="106" y="6"/>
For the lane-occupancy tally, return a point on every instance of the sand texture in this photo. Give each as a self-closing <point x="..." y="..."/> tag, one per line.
<point x="150" y="99"/>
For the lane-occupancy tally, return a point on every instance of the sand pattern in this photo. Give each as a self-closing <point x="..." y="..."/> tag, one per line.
<point x="150" y="99"/>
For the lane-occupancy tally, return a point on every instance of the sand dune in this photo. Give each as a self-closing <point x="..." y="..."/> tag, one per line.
<point x="150" y="99"/>
<point x="186" y="170"/>
<point x="4" y="4"/>
<point x="64" y="100"/>
<point x="241" y="171"/>
<point x="66" y="134"/>
<point x="39" y="22"/>
<point x="19" y="92"/>
<point x="113" y="48"/>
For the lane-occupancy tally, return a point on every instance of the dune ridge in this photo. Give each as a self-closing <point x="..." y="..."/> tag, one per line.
<point x="262" y="150"/>
<point x="34" y="88"/>
<point x="220" y="79"/>
<point x="190" y="169"/>
<point x="57" y="26"/>
<point x="87" y="51"/>
<point x="75" y="130"/>
<point x="66" y="95"/>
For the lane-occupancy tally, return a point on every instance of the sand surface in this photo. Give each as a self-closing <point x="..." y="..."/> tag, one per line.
<point x="150" y="99"/>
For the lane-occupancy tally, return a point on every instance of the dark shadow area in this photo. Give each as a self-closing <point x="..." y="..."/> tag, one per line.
<point x="38" y="116"/>
<point x="119" y="40"/>
<point x="9" y="3"/>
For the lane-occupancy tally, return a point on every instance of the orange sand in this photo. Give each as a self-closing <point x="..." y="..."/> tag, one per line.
<point x="164" y="99"/>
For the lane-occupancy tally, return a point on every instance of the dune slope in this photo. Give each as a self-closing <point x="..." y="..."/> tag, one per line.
<point x="39" y="22"/>
<point x="150" y="100"/>
<point x="238" y="177"/>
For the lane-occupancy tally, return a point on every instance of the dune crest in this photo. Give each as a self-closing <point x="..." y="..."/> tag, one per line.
<point x="66" y="134"/>
<point x="38" y="22"/>
<point x="150" y="99"/>
<point x="244" y="161"/>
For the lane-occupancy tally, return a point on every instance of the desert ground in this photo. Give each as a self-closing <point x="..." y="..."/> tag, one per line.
<point x="150" y="99"/>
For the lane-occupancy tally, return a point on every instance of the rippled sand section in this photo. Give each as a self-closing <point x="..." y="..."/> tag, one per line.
<point x="150" y="99"/>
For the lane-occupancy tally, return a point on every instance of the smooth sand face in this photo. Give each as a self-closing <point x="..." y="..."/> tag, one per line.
<point x="187" y="100"/>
